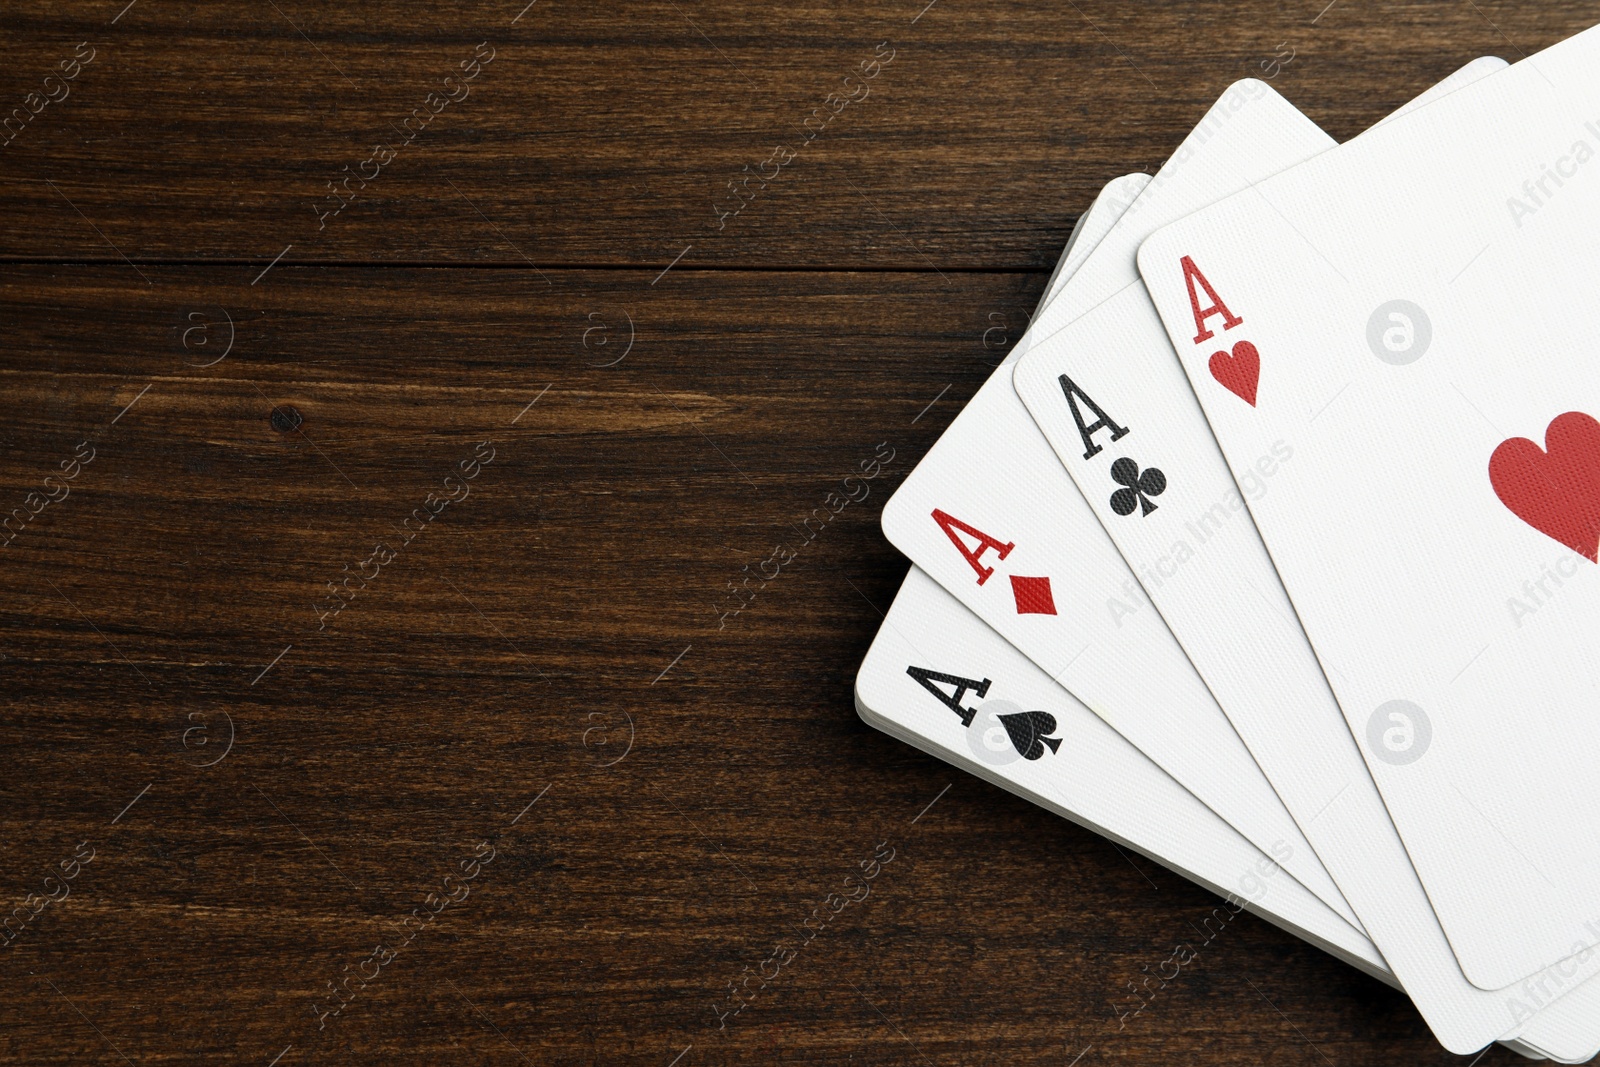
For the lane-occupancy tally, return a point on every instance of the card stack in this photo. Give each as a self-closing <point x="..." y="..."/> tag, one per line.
<point x="1270" y="552"/>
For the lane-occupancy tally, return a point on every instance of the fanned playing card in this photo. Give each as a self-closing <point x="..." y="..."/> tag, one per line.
<point x="1116" y="791"/>
<point x="1414" y="314"/>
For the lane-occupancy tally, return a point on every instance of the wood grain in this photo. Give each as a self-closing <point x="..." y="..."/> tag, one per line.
<point x="545" y="666"/>
<point x="605" y="135"/>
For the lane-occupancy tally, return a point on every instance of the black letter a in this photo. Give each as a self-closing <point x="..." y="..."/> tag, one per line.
<point x="927" y="678"/>
<point x="1087" y="432"/>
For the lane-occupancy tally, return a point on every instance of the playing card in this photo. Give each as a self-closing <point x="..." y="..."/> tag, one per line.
<point x="1043" y="573"/>
<point x="939" y="678"/>
<point x="1166" y="496"/>
<point x="1412" y="314"/>
<point x="908" y="711"/>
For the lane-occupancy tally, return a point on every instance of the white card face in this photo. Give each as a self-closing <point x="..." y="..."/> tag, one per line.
<point x="932" y="657"/>
<point x="978" y="515"/>
<point x="1414" y="312"/>
<point x="1203" y="565"/>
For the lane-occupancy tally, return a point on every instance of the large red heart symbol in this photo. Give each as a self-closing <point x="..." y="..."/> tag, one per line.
<point x="1238" y="372"/>
<point x="1556" y="490"/>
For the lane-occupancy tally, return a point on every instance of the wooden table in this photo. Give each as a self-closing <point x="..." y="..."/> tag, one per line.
<point x="393" y="397"/>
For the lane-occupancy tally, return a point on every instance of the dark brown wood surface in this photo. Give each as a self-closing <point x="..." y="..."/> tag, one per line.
<point x="542" y="672"/>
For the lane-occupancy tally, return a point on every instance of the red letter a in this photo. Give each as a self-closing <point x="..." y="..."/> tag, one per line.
<point x="1191" y="274"/>
<point x="985" y="542"/>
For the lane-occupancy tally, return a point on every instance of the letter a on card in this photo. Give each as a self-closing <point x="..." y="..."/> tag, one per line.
<point x="949" y="524"/>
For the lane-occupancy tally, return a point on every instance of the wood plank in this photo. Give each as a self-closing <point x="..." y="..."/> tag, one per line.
<point x="609" y="135"/>
<point x="166" y="604"/>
